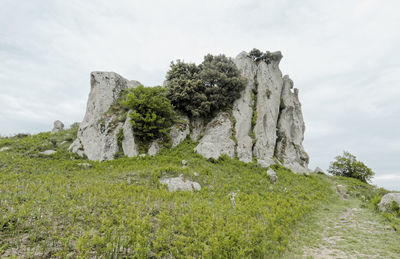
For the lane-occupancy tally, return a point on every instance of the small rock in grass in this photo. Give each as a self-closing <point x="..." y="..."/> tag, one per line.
<point x="184" y="163"/>
<point x="180" y="184"/>
<point x="318" y="170"/>
<point x="272" y="175"/>
<point x="84" y="165"/>
<point x="387" y="201"/>
<point x="58" y="126"/>
<point x="196" y="174"/>
<point x="48" y="152"/>
<point x="4" y="149"/>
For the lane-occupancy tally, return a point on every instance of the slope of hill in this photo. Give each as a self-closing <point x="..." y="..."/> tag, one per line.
<point x="60" y="205"/>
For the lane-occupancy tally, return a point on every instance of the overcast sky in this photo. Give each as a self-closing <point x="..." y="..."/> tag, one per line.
<point x="344" y="56"/>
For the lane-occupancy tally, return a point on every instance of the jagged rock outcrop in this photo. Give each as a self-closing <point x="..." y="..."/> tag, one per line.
<point x="217" y="139"/>
<point x="97" y="135"/>
<point x="57" y="126"/>
<point x="266" y="122"/>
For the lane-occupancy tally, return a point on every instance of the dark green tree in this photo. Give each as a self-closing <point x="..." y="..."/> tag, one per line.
<point x="201" y="91"/>
<point x="348" y="165"/>
<point x="152" y="113"/>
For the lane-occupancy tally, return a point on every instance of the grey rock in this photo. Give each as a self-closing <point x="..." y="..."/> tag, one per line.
<point x="197" y="125"/>
<point x="266" y="162"/>
<point x="4" y="149"/>
<point x="269" y="88"/>
<point x="289" y="148"/>
<point x="180" y="131"/>
<point x="196" y="174"/>
<point x="142" y="155"/>
<point x="97" y="134"/>
<point x="84" y="165"/>
<point x="184" y="163"/>
<point x="272" y="175"/>
<point x="217" y="138"/>
<point x="48" y="152"/>
<point x="58" y="126"/>
<point x="387" y="200"/>
<point x="180" y="184"/>
<point x="154" y="148"/>
<point x="243" y="108"/>
<point x="129" y="144"/>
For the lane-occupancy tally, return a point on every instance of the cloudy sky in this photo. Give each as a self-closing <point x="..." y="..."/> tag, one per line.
<point x="344" y="57"/>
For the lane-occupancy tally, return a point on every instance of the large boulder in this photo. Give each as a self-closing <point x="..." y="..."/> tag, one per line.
<point x="388" y="199"/>
<point x="180" y="131"/>
<point x="217" y="139"/>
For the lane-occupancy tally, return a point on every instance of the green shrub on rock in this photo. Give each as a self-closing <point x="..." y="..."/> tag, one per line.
<point x="152" y="113"/>
<point x="203" y="90"/>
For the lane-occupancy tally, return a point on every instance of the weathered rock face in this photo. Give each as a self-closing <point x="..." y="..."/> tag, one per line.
<point x="217" y="139"/>
<point x="266" y="123"/>
<point x="97" y="139"/>
<point x="277" y="130"/>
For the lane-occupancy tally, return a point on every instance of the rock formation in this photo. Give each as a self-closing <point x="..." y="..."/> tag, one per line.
<point x="58" y="126"/>
<point x="388" y="199"/>
<point x="266" y="122"/>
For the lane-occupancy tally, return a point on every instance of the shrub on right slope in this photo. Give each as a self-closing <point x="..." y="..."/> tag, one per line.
<point x="348" y="166"/>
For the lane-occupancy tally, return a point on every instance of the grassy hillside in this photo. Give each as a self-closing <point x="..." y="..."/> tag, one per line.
<point x="52" y="207"/>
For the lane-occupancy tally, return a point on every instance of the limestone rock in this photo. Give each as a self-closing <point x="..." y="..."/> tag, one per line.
<point x="48" y="152"/>
<point x="4" y="149"/>
<point x="184" y="163"/>
<point x="197" y="125"/>
<point x="129" y="145"/>
<point x="154" y="148"/>
<point x="289" y="148"/>
<point x="180" y="131"/>
<point x="58" y="126"/>
<point x="180" y="184"/>
<point x="269" y="88"/>
<point x="272" y="175"/>
<point x="217" y="138"/>
<point x="387" y="200"/>
<point x="97" y="135"/>
<point x="243" y="108"/>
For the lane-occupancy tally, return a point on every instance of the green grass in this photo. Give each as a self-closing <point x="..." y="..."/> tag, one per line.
<point x="50" y="207"/>
<point x="348" y="227"/>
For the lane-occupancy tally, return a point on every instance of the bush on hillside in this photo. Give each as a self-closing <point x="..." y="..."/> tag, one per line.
<point x="203" y="90"/>
<point x="348" y="165"/>
<point x="152" y="113"/>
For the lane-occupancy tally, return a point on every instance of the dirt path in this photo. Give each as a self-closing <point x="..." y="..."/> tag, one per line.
<point x="344" y="229"/>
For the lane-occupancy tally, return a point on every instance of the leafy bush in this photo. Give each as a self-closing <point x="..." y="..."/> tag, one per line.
<point x="201" y="91"/>
<point x="347" y="165"/>
<point x="152" y="113"/>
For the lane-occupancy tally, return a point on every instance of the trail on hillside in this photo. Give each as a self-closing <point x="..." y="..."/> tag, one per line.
<point x="343" y="228"/>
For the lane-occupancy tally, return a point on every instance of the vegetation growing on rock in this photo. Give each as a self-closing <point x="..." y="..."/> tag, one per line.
<point x="152" y="113"/>
<point x="203" y="90"/>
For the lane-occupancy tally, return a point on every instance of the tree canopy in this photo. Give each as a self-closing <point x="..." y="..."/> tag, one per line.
<point x="202" y="90"/>
<point x="348" y="165"/>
